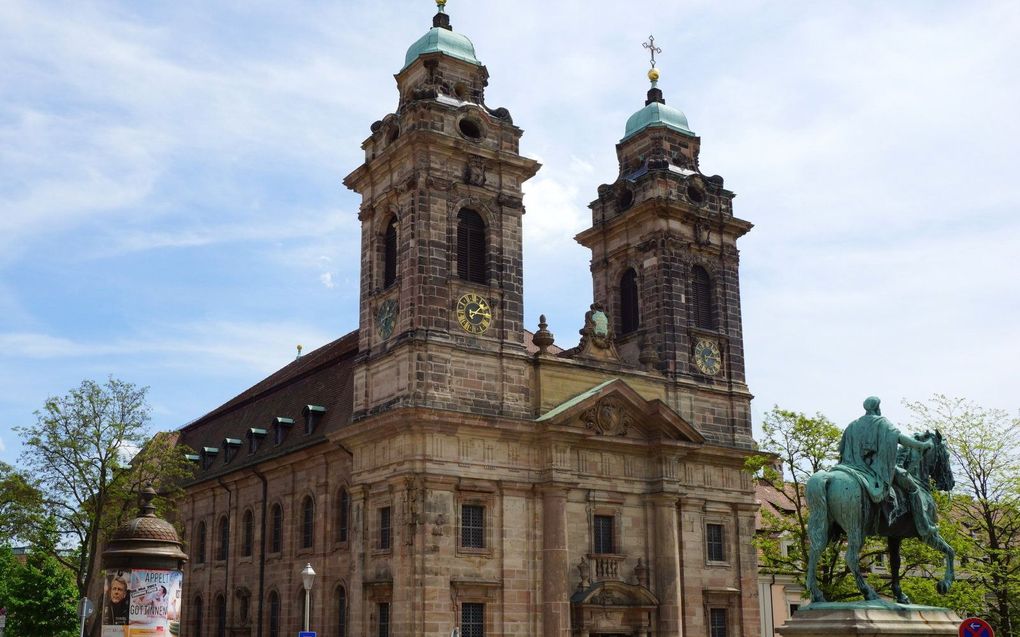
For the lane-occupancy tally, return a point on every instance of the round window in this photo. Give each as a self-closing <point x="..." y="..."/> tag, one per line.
<point x="470" y="128"/>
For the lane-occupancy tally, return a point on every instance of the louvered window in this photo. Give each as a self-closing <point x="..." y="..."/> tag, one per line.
<point x="603" y="540"/>
<point x="472" y="526"/>
<point x="702" y="291"/>
<point x="471" y="249"/>
<point x="390" y="254"/>
<point x="630" y="319"/>
<point x="472" y="620"/>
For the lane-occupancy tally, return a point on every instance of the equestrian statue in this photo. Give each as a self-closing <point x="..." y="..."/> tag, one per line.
<point x="881" y="486"/>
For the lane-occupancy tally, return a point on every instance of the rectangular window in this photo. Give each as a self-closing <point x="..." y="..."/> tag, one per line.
<point x="715" y="542"/>
<point x="717" y="622"/>
<point x="384" y="619"/>
<point x="384" y="528"/>
<point x="472" y="620"/>
<point x="603" y="540"/>
<point x="472" y="526"/>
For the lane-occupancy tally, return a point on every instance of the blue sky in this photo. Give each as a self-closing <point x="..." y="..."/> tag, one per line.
<point x="171" y="209"/>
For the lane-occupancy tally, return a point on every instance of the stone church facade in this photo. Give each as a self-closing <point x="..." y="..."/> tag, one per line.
<point x="442" y="466"/>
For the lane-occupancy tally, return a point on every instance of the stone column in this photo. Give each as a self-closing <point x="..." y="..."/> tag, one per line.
<point x="555" y="562"/>
<point x="667" y="564"/>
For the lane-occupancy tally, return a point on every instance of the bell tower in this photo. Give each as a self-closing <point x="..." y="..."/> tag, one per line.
<point x="665" y="265"/>
<point x="441" y="303"/>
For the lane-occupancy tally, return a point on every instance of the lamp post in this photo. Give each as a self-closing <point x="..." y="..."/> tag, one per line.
<point x="307" y="578"/>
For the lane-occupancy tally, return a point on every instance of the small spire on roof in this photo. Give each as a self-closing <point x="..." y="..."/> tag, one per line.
<point x="441" y="19"/>
<point x="654" y="93"/>
<point x="299" y="348"/>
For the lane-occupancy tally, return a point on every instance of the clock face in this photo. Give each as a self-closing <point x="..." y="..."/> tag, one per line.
<point x="474" y="313"/>
<point x="386" y="318"/>
<point x="707" y="357"/>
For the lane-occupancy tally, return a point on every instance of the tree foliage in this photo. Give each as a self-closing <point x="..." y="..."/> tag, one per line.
<point x="87" y="457"/>
<point x="39" y="596"/>
<point x="985" y="516"/>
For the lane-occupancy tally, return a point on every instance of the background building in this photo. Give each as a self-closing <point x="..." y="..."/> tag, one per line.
<point x="441" y="465"/>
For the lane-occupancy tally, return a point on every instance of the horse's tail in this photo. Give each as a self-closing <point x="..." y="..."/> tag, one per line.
<point x="818" y="505"/>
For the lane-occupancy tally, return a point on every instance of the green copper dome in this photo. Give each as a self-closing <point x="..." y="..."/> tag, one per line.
<point x="657" y="114"/>
<point x="444" y="41"/>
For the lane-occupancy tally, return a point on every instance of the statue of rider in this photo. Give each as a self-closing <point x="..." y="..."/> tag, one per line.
<point x="868" y="449"/>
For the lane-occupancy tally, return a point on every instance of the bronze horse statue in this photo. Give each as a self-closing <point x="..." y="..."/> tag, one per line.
<point x="838" y="505"/>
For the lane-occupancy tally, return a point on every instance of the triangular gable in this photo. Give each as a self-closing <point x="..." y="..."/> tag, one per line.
<point x="612" y="407"/>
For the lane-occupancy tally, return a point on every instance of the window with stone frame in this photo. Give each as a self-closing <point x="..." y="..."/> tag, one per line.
<point x="715" y="542"/>
<point x="603" y="528"/>
<point x="382" y="619"/>
<point x="307" y="522"/>
<point x="197" y="610"/>
<point x="343" y="515"/>
<point x="248" y="533"/>
<point x="472" y="619"/>
<point x="472" y="526"/>
<point x="200" y="543"/>
<point x="341" y="611"/>
<point x="718" y="622"/>
<point x="702" y="301"/>
<point x="472" y="257"/>
<point x="221" y="615"/>
<point x="385" y="528"/>
<point x="276" y="529"/>
<point x="630" y="317"/>
<point x="274" y="614"/>
<point x="223" y="545"/>
<point x="390" y="253"/>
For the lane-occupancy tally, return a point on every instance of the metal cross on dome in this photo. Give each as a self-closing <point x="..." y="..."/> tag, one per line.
<point x="650" y="45"/>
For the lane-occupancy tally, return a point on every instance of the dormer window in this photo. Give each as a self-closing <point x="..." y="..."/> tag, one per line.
<point x="193" y="457"/>
<point x="208" y="455"/>
<point x="230" y="447"/>
<point x="281" y="427"/>
<point x="255" y="438"/>
<point x="313" y="414"/>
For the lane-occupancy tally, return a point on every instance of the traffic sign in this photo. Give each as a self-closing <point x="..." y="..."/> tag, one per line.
<point x="306" y="633"/>
<point x="85" y="608"/>
<point x="975" y="627"/>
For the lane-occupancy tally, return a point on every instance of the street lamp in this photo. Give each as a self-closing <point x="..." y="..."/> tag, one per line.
<point x="307" y="578"/>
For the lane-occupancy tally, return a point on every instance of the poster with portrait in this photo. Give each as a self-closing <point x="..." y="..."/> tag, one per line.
<point x="142" y="603"/>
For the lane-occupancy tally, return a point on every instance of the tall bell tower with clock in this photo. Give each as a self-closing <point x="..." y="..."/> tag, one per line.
<point x="441" y="303"/>
<point x="665" y="265"/>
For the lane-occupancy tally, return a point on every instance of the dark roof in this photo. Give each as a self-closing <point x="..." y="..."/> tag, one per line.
<point x="778" y="502"/>
<point x="322" y="377"/>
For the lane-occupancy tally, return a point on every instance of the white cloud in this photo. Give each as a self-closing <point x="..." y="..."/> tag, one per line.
<point x="326" y="278"/>
<point x="3" y="447"/>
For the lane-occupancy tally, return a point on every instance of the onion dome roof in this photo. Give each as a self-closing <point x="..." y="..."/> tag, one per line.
<point x="442" y="40"/>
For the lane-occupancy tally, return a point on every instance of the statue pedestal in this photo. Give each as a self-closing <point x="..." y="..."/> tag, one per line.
<point x="870" y="619"/>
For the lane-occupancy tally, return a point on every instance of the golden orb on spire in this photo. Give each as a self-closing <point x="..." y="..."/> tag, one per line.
<point x="653" y="74"/>
<point x="440" y="3"/>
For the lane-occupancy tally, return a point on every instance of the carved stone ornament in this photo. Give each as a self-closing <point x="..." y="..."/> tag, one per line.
<point x="702" y="234"/>
<point x="474" y="171"/>
<point x="509" y="201"/>
<point x="597" y="338"/>
<point x="585" y="571"/>
<point x="607" y="418"/>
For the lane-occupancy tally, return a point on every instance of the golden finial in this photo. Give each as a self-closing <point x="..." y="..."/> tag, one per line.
<point x="653" y="75"/>
<point x="299" y="348"/>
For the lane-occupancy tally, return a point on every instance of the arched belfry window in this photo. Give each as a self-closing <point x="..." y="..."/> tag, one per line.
<point x="390" y="253"/>
<point x="630" y="318"/>
<point x="471" y="250"/>
<point x="704" y="317"/>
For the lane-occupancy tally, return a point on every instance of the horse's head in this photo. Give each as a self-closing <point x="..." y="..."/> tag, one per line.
<point x="935" y="465"/>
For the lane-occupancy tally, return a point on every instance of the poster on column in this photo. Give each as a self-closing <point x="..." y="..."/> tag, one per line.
<point x="142" y="603"/>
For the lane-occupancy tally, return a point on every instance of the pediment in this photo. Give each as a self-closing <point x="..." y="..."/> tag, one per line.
<point x="615" y="593"/>
<point x="613" y="408"/>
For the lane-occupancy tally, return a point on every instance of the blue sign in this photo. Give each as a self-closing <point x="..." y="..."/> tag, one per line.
<point x="975" y="627"/>
<point x="306" y="633"/>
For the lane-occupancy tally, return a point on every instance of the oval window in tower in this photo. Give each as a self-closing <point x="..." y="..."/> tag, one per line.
<point x="470" y="128"/>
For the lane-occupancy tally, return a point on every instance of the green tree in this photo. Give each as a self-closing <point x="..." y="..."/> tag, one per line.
<point x="985" y="516"/>
<point x="40" y="598"/>
<point x="88" y="455"/>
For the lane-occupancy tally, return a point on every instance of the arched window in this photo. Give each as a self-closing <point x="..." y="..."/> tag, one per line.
<point x="248" y="535"/>
<point x="200" y="543"/>
<point x="630" y="318"/>
<point x="702" y="301"/>
<point x="307" y="522"/>
<point x="390" y="254"/>
<point x="223" y="547"/>
<point x="276" y="541"/>
<point x="274" y="614"/>
<point x="471" y="251"/>
<point x="221" y="616"/>
<point x="341" y="612"/>
<point x="343" y="515"/>
<point x="196" y="608"/>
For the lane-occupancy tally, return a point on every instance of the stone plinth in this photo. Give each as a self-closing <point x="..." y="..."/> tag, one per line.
<point x="870" y="619"/>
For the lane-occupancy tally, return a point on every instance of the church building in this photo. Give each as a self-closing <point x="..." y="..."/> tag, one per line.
<point x="444" y="467"/>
